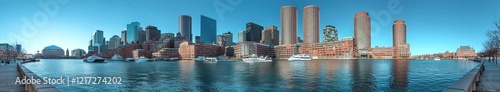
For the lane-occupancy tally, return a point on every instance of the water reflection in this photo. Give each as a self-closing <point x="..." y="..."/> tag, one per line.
<point x="316" y="75"/>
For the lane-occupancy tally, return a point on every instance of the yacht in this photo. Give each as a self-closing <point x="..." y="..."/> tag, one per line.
<point x="210" y="60"/>
<point x="93" y="58"/>
<point x="200" y="58"/>
<point x="117" y="57"/>
<point x="300" y="57"/>
<point x="255" y="58"/>
<point x="129" y="59"/>
<point x="141" y="59"/>
<point x="222" y="58"/>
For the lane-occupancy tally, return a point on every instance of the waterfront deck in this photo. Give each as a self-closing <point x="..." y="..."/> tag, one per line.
<point x="490" y="79"/>
<point x="8" y="75"/>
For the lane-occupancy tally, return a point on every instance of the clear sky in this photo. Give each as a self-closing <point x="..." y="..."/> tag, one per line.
<point x="432" y="25"/>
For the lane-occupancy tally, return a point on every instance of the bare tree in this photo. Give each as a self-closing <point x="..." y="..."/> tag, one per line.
<point x="492" y="45"/>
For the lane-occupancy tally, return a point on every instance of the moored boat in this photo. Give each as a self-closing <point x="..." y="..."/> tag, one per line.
<point x="300" y="57"/>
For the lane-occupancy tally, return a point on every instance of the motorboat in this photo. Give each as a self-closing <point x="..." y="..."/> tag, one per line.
<point x="300" y="57"/>
<point x="93" y="58"/>
<point x="129" y="59"/>
<point x="141" y="59"/>
<point x="223" y="58"/>
<point x="255" y="58"/>
<point x="117" y="57"/>
<point x="200" y="58"/>
<point x="437" y="58"/>
<point x="210" y="60"/>
<point x="172" y="58"/>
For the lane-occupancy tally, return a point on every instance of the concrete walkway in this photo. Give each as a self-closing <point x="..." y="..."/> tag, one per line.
<point x="490" y="79"/>
<point x="8" y="75"/>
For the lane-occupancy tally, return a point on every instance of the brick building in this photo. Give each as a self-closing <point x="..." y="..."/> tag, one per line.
<point x="191" y="50"/>
<point x="330" y="50"/>
<point x="247" y="48"/>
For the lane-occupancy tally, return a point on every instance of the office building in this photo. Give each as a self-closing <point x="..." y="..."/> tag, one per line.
<point x="114" y="42"/>
<point x="253" y="32"/>
<point x="330" y="34"/>
<point x="242" y="36"/>
<point x="133" y="33"/>
<point x="288" y="25"/>
<point x="123" y="38"/>
<point x="270" y="36"/>
<point x="208" y="30"/>
<point x="78" y="53"/>
<point x="185" y="27"/>
<point x="228" y="38"/>
<point x="362" y="33"/>
<point x="152" y="33"/>
<point x="311" y="24"/>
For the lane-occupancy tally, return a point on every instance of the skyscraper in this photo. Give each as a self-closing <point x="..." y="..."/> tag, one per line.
<point x="253" y="32"/>
<point x="152" y="33"/>
<point x="362" y="32"/>
<point x="330" y="34"/>
<point x="208" y="30"/>
<point x="288" y="25"/>
<point x="185" y="27"/>
<point x="399" y="33"/>
<point x="124" y="37"/>
<point x="242" y="36"/>
<point x="270" y="36"/>
<point x="311" y="24"/>
<point x="228" y="38"/>
<point x="133" y="32"/>
<point x="114" y="42"/>
<point x="98" y="40"/>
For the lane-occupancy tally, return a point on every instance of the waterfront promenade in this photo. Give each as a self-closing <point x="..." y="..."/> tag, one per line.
<point x="490" y="79"/>
<point x="8" y="75"/>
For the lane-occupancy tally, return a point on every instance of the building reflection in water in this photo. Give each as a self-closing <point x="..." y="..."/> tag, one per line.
<point x="399" y="73"/>
<point x="362" y="78"/>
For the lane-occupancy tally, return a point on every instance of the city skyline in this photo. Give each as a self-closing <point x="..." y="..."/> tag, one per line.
<point x="67" y="23"/>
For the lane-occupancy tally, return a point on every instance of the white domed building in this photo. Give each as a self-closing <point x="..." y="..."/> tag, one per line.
<point x="53" y="51"/>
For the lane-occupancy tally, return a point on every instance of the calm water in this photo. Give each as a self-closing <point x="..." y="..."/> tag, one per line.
<point x="319" y="75"/>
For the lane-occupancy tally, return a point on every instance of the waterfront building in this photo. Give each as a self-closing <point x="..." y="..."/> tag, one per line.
<point x="133" y="33"/>
<point x="330" y="34"/>
<point x="284" y="51"/>
<point x="114" y="42"/>
<point x="288" y="20"/>
<point x="52" y="51"/>
<point x="141" y="52"/>
<point x="253" y="32"/>
<point x="270" y="36"/>
<point x="192" y="50"/>
<point x="185" y="27"/>
<point x="447" y="54"/>
<point x="466" y="52"/>
<point x="166" y="53"/>
<point x="311" y="24"/>
<point x="152" y="33"/>
<point x="98" y="40"/>
<point x="229" y="51"/>
<point x="382" y="52"/>
<point x="400" y="47"/>
<point x="78" y="53"/>
<point x="208" y="30"/>
<point x="362" y="33"/>
<point x="247" y="48"/>
<point x="345" y="48"/>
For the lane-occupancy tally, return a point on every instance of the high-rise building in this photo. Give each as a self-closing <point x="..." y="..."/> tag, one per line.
<point x="311" y="24"/>
<point x="288" y="25"/>
<point x="228" y="38"/>
<point x="185" y="27"/>
<point x="253" y="32"/>
<point x="221" y="40"/>
<point x="362" y="33"/>
<point x="98" y="40"/>
<point x="330" y="34"/>
<point x="152" y="33"/>
<point x="124" y="37"/>
<point x="133" y="32"/>
<point x="398" y="33"/>
<point x="242" y="36"/>
<point x="67" y="52"/>
<point x="142" y="36"/>
<point x="114" y="42"/>
<point x="270" y="36"/>
<point x="208" y="30"/>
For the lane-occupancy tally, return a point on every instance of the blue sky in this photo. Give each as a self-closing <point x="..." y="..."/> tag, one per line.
<point x="432" y="25"/>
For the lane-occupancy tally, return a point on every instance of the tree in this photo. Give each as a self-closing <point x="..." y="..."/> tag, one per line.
<point x="492" y="45"/>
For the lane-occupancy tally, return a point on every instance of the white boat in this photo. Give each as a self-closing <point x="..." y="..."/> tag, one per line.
<point x="93" y="58"/>
<point x="210" y="60"/>
<point x="172" y="58"/>
<point x="200" y="58"/>
<point x="437" y="58"/>
<point x="255" y="58"/>
<point x="129" y="59"/>
<point x="300" y="57"/>
<point x="117" y="57"/>
<point x="223" y="58"/>
<point x="141" y="59"/>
